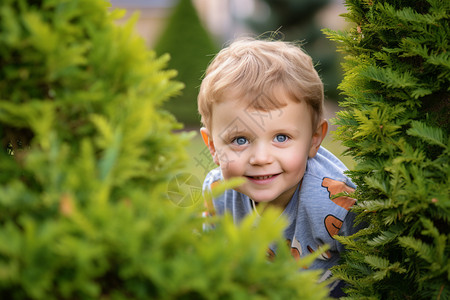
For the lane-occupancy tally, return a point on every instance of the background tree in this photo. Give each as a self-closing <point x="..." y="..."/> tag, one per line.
<point x="297" y="21"/>
<point x="86" y="159"/>
<point x="396" y="126"/>
<point x="191" y="48"/>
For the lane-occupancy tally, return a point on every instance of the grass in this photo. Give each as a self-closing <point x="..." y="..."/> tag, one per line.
<point x="200" y="161"/>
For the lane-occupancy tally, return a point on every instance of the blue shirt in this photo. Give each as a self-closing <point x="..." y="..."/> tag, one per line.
<point x="314" y="215"/>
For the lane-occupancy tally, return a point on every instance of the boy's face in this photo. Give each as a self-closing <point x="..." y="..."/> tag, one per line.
<point x="269" y="148"/>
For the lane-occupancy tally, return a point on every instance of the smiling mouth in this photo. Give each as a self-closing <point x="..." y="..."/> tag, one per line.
<point x="262" y="177"/>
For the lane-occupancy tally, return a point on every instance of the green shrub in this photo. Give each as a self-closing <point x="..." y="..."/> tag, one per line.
<point x="396" y="126"/>
<point x="191" y="48"/>
<point x="86" y="155"/>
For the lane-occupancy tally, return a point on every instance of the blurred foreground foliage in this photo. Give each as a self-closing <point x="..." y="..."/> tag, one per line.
<point x="86" y="156"/>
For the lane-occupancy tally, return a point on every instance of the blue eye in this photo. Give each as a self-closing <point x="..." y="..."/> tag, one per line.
<point x="280" y="138"/>
<point x="240" y="141"/>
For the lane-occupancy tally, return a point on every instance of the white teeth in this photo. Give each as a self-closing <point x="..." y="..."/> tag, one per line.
<point x="262" y="177"/>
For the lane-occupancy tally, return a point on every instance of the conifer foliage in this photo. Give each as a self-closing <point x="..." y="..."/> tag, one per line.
<point x="86" y="153"/>
<point x="396" y="126"/>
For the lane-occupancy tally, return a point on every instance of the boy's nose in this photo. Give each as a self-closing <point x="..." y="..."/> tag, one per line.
<point x="261" y="155"/>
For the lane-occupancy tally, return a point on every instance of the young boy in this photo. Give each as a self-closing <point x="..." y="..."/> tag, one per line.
<point x="261" y="106"/>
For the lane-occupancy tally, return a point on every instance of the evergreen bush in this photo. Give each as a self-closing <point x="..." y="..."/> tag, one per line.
<point x="86" y="155"/>
<point x="191" y="48"/>
<point x="396" y="126"/>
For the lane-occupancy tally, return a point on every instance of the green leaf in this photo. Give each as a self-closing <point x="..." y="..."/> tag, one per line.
<point x="433" y="135"/>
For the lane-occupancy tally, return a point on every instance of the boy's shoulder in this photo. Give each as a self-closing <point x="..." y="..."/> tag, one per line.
<point x="325" y="192"/>
<point x="213" y="176"/>
<point x="231" y="200"/>
<point x="326" y="167"/>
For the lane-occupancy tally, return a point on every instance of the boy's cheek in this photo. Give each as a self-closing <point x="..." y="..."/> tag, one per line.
<point x="216" y="159"/>
<point x="229" y="168"/>
<point x="228" y="159"/>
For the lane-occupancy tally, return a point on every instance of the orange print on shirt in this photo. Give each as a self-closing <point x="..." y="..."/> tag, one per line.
<point x="334" y="187"/>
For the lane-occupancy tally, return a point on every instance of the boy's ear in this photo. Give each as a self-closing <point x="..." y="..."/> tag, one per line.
<point x="317" y="138"/>
<point x="209" y="143"/>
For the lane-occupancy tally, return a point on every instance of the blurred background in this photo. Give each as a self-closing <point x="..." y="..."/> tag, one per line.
<point x="193" y="31"/>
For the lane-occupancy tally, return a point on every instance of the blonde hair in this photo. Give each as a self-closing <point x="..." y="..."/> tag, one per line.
<point x="253" y="68"/>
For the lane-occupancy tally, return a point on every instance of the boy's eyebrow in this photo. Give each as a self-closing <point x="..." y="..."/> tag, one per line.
<point x="230" y="133"/>
<point x="235" y="128"/>
<point x="292" y="129"/>
<point x="234" y="132"/>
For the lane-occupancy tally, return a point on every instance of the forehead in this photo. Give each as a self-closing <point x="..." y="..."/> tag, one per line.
<point x="265" y="98"/>
<point x="262" y="101"/>
<point x="233" y="116"/>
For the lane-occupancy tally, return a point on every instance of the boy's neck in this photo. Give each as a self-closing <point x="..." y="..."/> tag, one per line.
<point x="281" y="203"/>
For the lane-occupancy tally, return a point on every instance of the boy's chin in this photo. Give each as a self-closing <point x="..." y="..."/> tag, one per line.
<point x="262" y="199"/>
<point x="259" y="197"/>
